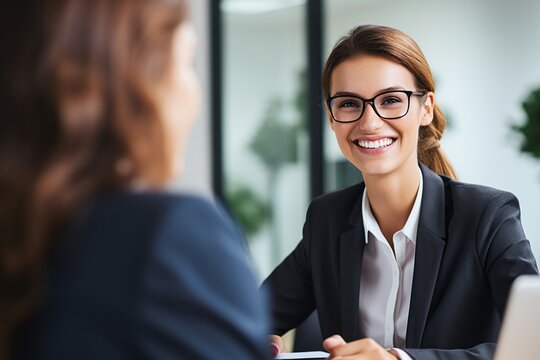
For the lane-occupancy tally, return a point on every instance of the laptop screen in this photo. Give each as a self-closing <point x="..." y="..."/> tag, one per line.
<point x="520" y="333"/>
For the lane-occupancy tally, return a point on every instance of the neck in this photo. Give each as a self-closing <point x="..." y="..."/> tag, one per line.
<point x="391" y="198"/>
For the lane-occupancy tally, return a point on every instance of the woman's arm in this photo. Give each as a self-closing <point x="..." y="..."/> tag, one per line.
<point x="290" y="286"/>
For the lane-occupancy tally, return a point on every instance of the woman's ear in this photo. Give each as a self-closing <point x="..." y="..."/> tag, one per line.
<point x="428" y="108"/>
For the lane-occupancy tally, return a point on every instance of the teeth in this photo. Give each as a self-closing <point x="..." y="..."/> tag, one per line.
<point x="375" y="144"/>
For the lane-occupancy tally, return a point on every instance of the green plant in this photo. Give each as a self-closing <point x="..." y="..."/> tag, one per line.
<point x="275" y="142"/>
<point x="530" y="130"/>
<point x="250" y="210"/>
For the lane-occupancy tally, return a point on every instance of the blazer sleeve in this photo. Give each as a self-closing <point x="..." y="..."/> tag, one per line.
<point x="480" y="352"/>
<point x="200" y="298"/>
<point x="290" y="286"/>
<point x="505" y="253"/>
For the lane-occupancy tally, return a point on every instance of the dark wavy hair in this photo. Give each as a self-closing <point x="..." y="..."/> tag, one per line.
<point x="396" y="46"/>
<point x="80" y="84"/>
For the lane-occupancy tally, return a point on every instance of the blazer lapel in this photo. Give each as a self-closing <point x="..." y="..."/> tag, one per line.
<point x="430" y="243"/>
<point x="352" y="244"/>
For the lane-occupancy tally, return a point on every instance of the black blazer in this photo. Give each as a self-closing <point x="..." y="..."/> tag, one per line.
<point x="148" y="276"/>
<point x="470" y="246"/>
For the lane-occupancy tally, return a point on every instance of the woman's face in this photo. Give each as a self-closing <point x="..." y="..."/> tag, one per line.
<point x="182" y="98"/>
<point x="375" y="146"/>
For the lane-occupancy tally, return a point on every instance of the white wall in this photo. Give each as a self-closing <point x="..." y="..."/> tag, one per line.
<point x="263" y="54"/>
<point x="197" y="175"/>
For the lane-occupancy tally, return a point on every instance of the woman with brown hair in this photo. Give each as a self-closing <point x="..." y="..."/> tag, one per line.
<point x="410" y="263"/>
<point x="97" y="260"/>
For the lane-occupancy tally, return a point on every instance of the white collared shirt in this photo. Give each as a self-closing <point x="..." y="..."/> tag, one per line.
<point x="386" y="280"/>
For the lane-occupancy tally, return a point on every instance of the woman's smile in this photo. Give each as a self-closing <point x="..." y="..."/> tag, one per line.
<point x="374" y="146"/>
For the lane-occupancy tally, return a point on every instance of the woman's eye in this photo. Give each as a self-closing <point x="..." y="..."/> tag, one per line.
<point x="348" y="103"/>
<point x="389" y="100"/>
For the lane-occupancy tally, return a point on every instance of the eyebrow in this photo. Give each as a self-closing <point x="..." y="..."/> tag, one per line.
<point x="348" y="93"/>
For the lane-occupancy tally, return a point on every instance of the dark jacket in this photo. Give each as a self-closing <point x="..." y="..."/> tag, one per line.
<point x="470" y="247"/>
<point x="148" y="276"/>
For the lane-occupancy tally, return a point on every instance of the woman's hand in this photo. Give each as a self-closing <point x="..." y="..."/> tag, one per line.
<point x="277" y="345"/>
<point x="367" y="349"/>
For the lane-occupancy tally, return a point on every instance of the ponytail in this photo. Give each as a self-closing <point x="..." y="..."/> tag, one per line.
<point x="429" y="148"/>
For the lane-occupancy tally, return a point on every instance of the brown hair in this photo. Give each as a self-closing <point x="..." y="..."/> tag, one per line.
<point x="394" y="45"/>
<point x="82" y="82"/>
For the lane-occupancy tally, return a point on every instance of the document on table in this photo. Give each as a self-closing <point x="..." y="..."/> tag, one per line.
<point x="306" y="355"/>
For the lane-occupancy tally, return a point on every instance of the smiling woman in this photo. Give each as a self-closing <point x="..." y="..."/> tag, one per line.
<point x="391" y="120"/>
<point x="387" y="261"/>
<point x="484" y="67"/>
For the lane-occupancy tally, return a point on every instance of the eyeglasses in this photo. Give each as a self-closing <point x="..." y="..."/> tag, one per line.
<point x="388" y="105"/>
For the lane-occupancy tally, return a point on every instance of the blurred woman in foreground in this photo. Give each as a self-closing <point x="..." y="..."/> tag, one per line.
<point x="97" y="260"/>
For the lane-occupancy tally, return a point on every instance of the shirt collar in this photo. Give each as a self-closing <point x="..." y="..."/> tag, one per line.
<point x="411" y="225"/>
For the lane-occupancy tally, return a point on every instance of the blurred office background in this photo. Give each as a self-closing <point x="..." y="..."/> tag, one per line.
<point x="263" y="143"/>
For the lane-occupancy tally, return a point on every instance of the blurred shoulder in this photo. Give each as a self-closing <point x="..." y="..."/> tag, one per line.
<point x="152" y="200"/>
<point x="185" y="217"/>
<point x="156" y="218"/>
<point x="160" y="204"/>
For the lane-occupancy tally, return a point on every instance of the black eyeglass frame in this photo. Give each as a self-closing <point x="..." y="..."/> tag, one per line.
<point x="409" y="93"/>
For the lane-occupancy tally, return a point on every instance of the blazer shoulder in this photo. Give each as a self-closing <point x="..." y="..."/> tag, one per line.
<point x="484" y="208"/>
<point x="476" y="196"/>
<point x="345" y="198"/>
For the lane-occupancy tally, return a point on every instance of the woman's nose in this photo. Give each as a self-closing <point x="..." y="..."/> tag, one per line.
<point x="370" y="121"/>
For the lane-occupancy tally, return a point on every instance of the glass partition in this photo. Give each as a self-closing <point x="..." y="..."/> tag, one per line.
<point x="265" y="145"/>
